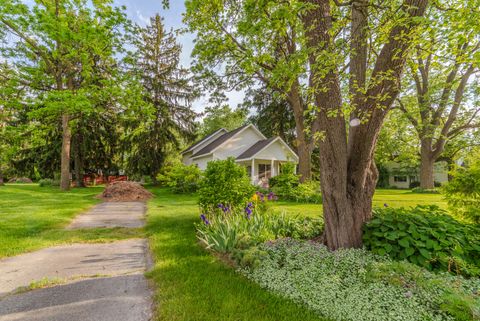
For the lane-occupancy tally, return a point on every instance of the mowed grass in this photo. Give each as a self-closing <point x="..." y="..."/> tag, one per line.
<point x="391" y="197"/>
<point x="33" y="217"/>
<point x="191" y="283"/>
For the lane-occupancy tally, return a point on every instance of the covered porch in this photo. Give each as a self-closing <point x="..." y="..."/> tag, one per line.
<point x="261" y="170"/>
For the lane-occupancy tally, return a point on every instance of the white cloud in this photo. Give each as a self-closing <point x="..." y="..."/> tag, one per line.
<point x="142" y="19"/>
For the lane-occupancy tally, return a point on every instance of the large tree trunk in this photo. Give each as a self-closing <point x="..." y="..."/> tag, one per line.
<point x="304" y="160"/>
<point x="427" y="162"/>
<point x="303" y="147"/>
<point x="65" y="161"/>
<point x="348" y="172"/>
<point x="1" y="179"/>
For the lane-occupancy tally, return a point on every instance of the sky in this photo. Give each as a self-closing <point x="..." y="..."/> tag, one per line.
<point x="140" y="12"/>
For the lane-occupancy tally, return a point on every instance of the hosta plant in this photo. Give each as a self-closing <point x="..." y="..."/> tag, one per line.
<point x="426" y="236"/>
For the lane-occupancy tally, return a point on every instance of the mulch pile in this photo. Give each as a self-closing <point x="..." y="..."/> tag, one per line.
<point x="125" y="192"/>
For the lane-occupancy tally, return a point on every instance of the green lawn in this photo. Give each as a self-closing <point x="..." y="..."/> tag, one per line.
<point x="33" y="217"/>
<point x="391" y="197"/>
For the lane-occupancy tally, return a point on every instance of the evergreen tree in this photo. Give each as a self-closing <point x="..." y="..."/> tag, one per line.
<point x="164" y="119"/>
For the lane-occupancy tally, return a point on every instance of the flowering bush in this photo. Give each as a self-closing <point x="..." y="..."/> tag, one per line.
<point x="224" y="182"/>
<point x="357" y="285"/>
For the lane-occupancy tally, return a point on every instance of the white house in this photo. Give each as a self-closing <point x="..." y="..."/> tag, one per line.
<point x="260" y="155"/>
<point x="402" y="178"/>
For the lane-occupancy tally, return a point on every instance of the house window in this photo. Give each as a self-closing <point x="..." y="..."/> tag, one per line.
<point x="249" y="171"/>
<point x="400" y="179"/>
<point x="264" y="171"/>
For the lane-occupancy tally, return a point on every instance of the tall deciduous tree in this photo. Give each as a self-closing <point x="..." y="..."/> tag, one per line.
<point x="59" y="44"/>
<point x="165" y="117"/>
<point x="323" y="46"/>
<point x="440" y="101"/>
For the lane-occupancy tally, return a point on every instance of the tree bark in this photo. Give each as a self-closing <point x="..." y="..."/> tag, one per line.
<point x="303" y="147"/>
<point x="427" y="162"/>
<point x="65" y="161"/>
<point x="1" y="179"/>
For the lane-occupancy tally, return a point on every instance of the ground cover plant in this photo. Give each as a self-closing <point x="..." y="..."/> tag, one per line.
<point x="427" y="236"/>
<point x="33" y="217"/>
<point x="370" y="287"/>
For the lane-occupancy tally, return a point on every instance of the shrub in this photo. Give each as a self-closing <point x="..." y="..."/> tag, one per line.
<point x="356" y="285"/>
<point x="184" y="179"/>
<point x="414" y="184"/>
<point x="419" y="190"/>
<point x="308" y="192"/>
<point x="426" y="236"/>
<point x="224" y="182"/>
<point x="286" y="181"/>
<point x="463" y="193"/>
<point x="48" y="182"/>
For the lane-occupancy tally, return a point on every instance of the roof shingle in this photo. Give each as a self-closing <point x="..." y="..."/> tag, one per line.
<point x="258" y="146"/>
<point x="217" y="142"/>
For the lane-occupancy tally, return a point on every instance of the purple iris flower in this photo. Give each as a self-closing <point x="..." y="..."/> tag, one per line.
<point x="272" y="196"/>
<point x="204" y="219"/>
<point x="224" y="208"/>
<point x="248" y="210"/>
<point x="262" y="197"/>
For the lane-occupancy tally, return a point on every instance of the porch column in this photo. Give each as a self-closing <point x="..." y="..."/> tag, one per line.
<point x="252" y="178"/>
<point x="272" y="168"/>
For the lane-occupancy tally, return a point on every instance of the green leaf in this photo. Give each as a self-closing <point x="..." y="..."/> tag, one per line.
<point x="404" y="242"/>
<point x="409" y="251"/>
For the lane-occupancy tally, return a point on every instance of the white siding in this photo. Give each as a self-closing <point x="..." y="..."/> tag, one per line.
<point x="276" y="151"/>
<point x="440" y="172"/>
<point x="238" y="144"/>
<point x="186" y="160"/>
<point x="201" y="162"/>
<point x="208" y="141"/>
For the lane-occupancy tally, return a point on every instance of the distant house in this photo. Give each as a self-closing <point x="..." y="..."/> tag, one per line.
<point x="261" y="156"/>
<point x="401" y="177"/>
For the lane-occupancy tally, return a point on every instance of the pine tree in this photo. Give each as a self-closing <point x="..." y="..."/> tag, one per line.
<point x="165" y="118"/>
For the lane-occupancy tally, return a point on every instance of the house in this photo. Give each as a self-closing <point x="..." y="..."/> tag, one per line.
<point x="261" y="156"/>
<point x="401" y="177"/>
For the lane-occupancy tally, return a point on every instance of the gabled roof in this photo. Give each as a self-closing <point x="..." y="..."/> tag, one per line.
<point x="203" y="140"/>
<point x="261" y="145"/>
<point x="219" y="141"/>
<point x="257" y="147"/>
